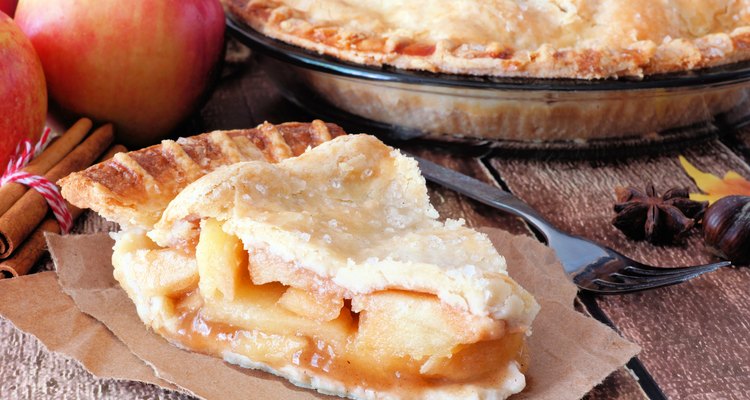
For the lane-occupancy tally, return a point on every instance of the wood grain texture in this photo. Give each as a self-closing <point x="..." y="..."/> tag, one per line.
<point x="695" y="336"/>
<point x="741" y="142"/>
<point x="246" y="97"/>
<point x="579" y="195"/>
<point x="620" y="385"/>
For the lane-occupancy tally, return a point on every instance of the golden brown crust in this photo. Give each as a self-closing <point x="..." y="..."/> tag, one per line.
<point x="643" y="39"/>
<point x="134" y="188"/>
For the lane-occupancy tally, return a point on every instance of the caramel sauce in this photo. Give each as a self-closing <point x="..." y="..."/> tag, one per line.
<point x="417" y="49"/>
<point x="505" y="54"/>
<point x="263" y="13"/>
<point x="472" y="363"/>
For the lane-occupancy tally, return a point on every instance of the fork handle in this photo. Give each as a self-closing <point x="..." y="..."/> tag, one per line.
<point x="486" y="194"/>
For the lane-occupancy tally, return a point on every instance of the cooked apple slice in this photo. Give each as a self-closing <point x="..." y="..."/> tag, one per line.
<point x="467" y="360"/>
<point x="312" y="304"/>
<point x="270" y="348"/>
<point x="222" y="261"/>
<point x="156" y="271"/>
<point x="266" y="267"/>
<point x="400" y="324"/>
<point x="255" y="307"/>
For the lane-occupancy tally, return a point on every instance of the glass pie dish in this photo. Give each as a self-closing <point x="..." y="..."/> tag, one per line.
<point x="516" y="113"/>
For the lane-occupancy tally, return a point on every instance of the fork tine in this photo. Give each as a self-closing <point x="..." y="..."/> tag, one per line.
<point x="626" y="278"/>
<point x="649" y="270"/>
<point x="625" y="281"/>
<point x="646" y="271"/>
<point x="623" y="278"/>
<point x="628" y="287"/>
<point x="634" y="283"/>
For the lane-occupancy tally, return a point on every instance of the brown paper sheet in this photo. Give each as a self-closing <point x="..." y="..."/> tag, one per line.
<point x="570" y="352"/>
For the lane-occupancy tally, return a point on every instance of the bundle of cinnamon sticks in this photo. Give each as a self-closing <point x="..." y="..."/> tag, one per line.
<point x="25" y="214"/>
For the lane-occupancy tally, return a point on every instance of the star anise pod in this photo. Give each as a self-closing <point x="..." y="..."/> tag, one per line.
<point x="657" y="219"/>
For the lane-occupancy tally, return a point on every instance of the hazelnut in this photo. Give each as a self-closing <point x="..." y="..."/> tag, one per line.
<point x="726" y="228"/>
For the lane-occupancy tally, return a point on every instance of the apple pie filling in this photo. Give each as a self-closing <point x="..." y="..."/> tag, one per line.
<point x="251" y="307"/>
<point x="331" y="270"/>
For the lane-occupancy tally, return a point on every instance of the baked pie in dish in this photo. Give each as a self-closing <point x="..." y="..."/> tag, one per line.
<point x="321" y="55"/>
<point x="545" y="38"/>
<point x="329" y="269"/>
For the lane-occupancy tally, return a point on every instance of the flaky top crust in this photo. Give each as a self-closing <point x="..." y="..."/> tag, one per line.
<point x="585" y="39"/>
<point x="356" y="212"/>
<point x="134" y="188"/>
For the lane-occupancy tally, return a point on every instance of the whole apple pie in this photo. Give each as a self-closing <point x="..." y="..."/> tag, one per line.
<point x="589" y="41"/>
<point x="583" y="39"/>
<point x="325" y="265"/>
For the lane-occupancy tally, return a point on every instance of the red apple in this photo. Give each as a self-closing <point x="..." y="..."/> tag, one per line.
<point x="142" y="64"/>
<point x="8" y="6"/>
<point x="23" y="94"/>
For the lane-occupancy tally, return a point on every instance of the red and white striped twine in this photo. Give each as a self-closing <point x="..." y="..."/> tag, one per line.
<point x="25" y="152"/>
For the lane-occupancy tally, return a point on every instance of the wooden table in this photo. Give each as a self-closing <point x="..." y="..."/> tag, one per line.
<point x="695" y="336"/>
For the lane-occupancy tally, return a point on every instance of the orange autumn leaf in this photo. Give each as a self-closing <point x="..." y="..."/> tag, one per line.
<point x="712" y="186"/>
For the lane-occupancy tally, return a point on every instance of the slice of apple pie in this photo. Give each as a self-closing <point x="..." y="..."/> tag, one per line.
<point x="331" y="270"/>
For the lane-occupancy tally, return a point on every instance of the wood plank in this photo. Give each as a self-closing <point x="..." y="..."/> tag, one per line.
<point x="738" y="139"/>
<point x="247" y="98"/>
<point x="694" y="336"/>
<point x="620" y="385"/>
<point x="741" y="144"/>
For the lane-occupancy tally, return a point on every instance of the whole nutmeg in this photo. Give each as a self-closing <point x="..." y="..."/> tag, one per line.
<point x="726" y="228"/>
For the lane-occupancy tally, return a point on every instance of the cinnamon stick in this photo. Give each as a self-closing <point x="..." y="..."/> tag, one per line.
<point x="10" y="193"/>
<point x="31" y="250"/>
<point x="29" y="211"/>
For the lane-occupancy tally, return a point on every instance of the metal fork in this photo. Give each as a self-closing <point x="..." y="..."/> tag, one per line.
<point x="590" y="266"/>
